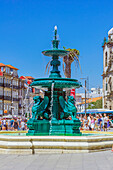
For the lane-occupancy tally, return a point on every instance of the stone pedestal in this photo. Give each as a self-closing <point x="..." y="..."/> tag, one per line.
<point x="38" y="127"/>
<point x="54" y="127"/>
<point x="65" y="127"/>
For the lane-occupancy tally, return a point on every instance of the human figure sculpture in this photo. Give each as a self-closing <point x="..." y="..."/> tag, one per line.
<point x="68" y="107"/>
<point x="39" y="108"/>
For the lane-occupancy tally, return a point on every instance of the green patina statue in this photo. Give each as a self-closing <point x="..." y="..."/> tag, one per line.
<point x="53" y="115"/>
<point x="39" y="108"/>
<point x="69" y="109"/>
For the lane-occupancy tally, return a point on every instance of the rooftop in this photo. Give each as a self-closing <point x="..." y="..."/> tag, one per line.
<point x="91" y="100"/>
<point x="10" y="66"/>
<point x="2" y="65"/>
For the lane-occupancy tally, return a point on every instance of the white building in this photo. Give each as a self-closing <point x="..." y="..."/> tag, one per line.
<point x="94" y="95"/>
<point x="108" y="71"/>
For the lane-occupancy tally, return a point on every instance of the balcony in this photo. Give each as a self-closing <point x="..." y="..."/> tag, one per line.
<point x="15" y="87"/>
<point x="7" y="85"/>
<point x="1" y="96"/>
<point x="15" y="99"/>
<point x="1" y="84"/>
<point x="7" y="97"/>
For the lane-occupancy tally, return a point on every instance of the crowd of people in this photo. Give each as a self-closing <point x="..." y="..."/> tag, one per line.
<point x="90" y="122"/>
<point x="98" y="123"/>
<point x="13" y="124"/>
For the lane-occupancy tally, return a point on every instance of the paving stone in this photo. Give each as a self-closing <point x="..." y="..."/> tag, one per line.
<point x="88" y="161"/>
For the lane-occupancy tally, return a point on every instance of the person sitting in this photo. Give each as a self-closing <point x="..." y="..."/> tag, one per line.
<point x="86" y="127"/>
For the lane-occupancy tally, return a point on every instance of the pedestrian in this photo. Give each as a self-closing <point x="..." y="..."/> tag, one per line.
<point x="22" y="125"/>
<point x="92" y="123"/>
<point x="11" y="123"/>
<point x="102" y="123"/>
<point x="6" y="124"/>
<point x="89" y="121"/>
<point x="99" y="122"/>
<point x="108" y="123"/>
<point x="96" y="123"/>
<point x="86" y="127"/>
<point x="15" y="124"/>
<point x="0" y="124"/>
<point x="85" y="121"/>
<point x="105" y="122"/>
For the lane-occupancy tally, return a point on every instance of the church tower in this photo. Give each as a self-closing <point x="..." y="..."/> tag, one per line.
<point x="108" y="71"/>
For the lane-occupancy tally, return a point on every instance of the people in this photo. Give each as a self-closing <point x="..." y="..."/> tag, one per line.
<point x="0" y="124"/>
<point x="105" y="122"/>
<point x="85" y="121"/>
<point x="15" y="124"/>
<point x="22" y="125"/>
<point x="92" y="123"/>
<point x="11" y="124"/>
<point x="89" y="121"/>
<point x="108" y="123"/>
<point x="86" y="127"/>
<point x="96" y="122"/>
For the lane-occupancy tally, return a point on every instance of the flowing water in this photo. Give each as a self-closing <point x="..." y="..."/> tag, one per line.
<point x="51" y="107"/>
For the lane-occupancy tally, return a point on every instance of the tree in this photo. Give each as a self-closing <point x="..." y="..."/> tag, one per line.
<point x="95" y="105"/>
<point x="73" y="56"/>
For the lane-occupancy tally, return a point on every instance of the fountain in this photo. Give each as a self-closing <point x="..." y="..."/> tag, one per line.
<point x="51" y="115"/>
<point x="50" y="128"/>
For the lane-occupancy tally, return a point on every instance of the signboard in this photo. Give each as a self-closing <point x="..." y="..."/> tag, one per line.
<point x="72" y="93"/>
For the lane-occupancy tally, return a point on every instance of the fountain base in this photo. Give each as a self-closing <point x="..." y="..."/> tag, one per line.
<point x="38" y="127"/>
<point x="54" y="127"/>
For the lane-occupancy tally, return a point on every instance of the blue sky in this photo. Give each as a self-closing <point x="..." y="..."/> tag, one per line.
<point x="26" y="29"/>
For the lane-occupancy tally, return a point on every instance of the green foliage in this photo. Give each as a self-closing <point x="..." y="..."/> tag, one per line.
<point x="95" y="105"/>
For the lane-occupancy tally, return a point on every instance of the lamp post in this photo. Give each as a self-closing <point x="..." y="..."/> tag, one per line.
<point x="85" y="97"/>
<point x="3" y="94"/>
<point x="12" y="95"/>
<point x="85" y="94"/>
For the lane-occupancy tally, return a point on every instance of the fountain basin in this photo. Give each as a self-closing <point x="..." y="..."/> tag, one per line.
<point x="54" y="144"/>
<point x="58" y="83"/>
<point x="55" y="52"/>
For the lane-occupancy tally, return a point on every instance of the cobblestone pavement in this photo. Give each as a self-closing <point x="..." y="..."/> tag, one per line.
<point x="80" y="161"/>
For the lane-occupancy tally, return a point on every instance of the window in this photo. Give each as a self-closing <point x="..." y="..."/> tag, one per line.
<point x="6" y="69"/>
<point x="2" y="69"/>
<point x="1" y="91"/>
<point x="106" y="86"/>
<point x="1" y="104"/>
<point x="110" y="86"/>
<point x="1" y="79"/>
<point x="11" y="71"/>
<point x="105" y="59"/>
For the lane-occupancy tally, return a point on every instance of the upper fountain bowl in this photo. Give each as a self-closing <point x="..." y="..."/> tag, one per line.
<point x="56" y="52"/>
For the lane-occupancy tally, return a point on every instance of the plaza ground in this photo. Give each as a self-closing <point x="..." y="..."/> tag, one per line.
<point x="81" y="161"/>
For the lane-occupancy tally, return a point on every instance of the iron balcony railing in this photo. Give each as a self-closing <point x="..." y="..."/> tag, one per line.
<point x="3" y="97"/>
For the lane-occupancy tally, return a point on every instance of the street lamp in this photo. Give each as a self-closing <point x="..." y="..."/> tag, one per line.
<point x="85" y="94"/>
<point x="12" y="95"/>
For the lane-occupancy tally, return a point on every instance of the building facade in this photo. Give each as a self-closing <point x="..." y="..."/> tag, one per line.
<point x="108" y="71"/>
<point x="16" y="96"/>
<point x="92" y="96"/>
<point x="10" y="89"/>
